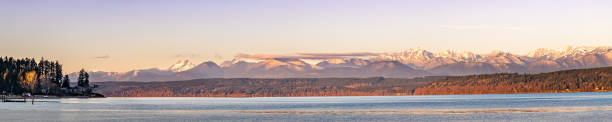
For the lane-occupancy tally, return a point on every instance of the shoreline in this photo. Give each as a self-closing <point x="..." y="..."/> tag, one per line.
<point x="505" y="92"/>
<point x="353" y="95"/>
<point x="46" y="97"/>
<point x="13" y="97"/>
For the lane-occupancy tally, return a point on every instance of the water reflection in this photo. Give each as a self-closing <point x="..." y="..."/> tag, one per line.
<point x="508" y="107"/>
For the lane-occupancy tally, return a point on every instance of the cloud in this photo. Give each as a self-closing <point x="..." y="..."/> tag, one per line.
<point x="261" y="56"/>
<point x="314" y="56"/>
<point x="356" y="54"/>
<point x="102" y="57"/>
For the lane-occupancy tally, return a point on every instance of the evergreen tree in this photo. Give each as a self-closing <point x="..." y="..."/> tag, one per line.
<point x="13" y="72"/>
<point x="83" y="80"/>
<point x="58" y="74"/>
<point x="3" y="82"/>
<point x="42" y="68"/>
<point x="66" y="82"/>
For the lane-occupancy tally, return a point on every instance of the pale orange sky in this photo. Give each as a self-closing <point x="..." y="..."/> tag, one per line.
<point x="126" y="35"/>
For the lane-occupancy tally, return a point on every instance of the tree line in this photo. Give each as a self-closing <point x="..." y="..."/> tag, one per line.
<point x="18" y="76"/>
<point x="578" y="80"/>
<point x="255" y="87"/>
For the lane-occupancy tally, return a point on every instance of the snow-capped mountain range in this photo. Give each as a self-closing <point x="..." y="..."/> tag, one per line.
<point x="405" y="64"/>
<point x="540" y="60"/>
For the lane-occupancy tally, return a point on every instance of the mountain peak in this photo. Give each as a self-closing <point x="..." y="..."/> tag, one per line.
<point x="181" y="66"/>
<point x="462" y="56"/>
<point x="353" y="62"/>
<point x="407" y="63"/>
<point x="336" y="61"/>
<point x="209" y="64"/>
<point x="291" y="63"/>
<point x="546" y="53"/>
<point x="498" y="53"/>
<point x="232" y="62"/>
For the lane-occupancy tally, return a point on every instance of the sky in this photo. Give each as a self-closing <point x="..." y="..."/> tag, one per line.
<point x="122" y="35"/>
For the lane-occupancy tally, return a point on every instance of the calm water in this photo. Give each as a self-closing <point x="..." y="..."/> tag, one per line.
<point x="496" y="107"/>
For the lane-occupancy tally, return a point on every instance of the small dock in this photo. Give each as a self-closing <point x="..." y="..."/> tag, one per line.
<point x="14" y="100"/>
<point x="8" y="98"/>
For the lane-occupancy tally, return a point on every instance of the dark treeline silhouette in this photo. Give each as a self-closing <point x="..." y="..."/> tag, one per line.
<point x="578" y="80"/>
<point x="19" y="76"/>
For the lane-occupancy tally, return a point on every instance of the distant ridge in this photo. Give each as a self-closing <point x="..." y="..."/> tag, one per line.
<point x="263" y="87"/>
<point x="406" y="64"/>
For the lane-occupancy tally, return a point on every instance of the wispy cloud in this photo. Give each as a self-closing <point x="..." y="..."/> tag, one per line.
<point x="102" y="57"/>
<point x="314" y="56"/>
<point x="355" y="54"/>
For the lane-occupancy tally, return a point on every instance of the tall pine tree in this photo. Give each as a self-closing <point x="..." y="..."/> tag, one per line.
<point x="83" y="80"/>
<point x="66" y="82"/>
<point x="58" y="74"/>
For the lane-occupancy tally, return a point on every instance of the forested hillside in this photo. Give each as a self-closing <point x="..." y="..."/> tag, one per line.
<point x="579" y="80"/>
<point x="247" y="87"/>
<point x="23" y="76"/>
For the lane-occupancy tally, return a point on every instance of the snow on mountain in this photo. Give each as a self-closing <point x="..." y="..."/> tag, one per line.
<point x="292" y="64"/>
<point x="574" y="57"/>
<point x="269" y="68"/>
<point x="544" y="53"/>
<point x="535" y="62"/>
<point x="415" y="57"/>
<point x="181" y="66"/>
<point x="390" y="69"/>
<point x="405" y="64"/>
<point x="499" y="57"/>
<point x="204" y="70"/>
<point x="569" y="51"/>
<point x="424" y="60"/>
<point x="353" y="62"/>
<point x="153" y="74"/>
<point x="462" y="57"/>
<point x="230" y="62"/>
